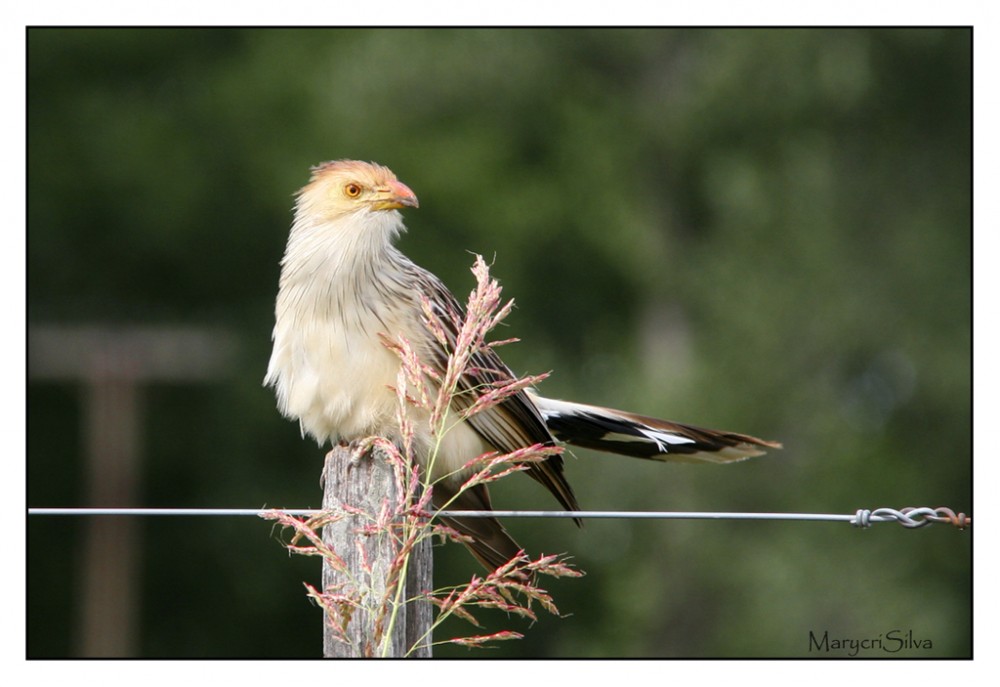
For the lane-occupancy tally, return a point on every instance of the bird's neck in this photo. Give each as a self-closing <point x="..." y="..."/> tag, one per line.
<point x="321" y="249"/>
<point x="333" y="263"/>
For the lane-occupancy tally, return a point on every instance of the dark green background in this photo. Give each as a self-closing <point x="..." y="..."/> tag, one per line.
<point x="767" y="231"/>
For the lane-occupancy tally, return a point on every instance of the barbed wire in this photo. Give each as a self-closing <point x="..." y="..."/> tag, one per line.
<point x="908" y="517"/>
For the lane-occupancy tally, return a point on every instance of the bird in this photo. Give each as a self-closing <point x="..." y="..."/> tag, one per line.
<point x="345" y="287"/>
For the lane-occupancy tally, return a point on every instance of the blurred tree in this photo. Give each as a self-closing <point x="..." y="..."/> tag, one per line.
<point x="764" y="230"/>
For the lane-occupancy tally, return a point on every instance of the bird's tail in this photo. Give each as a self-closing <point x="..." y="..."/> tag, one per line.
<point x="487" y="539"/>
<point x="628" y="434"/>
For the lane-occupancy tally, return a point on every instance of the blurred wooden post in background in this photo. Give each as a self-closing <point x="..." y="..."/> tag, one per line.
<point x="113" y="364"/>
<point x="367" y="485"/>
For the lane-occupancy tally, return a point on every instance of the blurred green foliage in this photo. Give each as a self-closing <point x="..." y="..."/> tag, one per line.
<point x="763" y="230"/>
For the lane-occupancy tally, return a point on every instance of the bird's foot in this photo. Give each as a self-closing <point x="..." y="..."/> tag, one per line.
<point x="357" y="452"/>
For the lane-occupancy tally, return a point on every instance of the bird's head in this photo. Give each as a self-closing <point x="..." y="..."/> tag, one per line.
<point x="347" y="187"/>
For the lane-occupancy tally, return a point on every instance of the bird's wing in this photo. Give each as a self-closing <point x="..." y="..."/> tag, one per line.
<point x="513" y="423"/>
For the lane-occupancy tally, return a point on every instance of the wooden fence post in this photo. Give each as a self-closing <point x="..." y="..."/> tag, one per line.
<point x="366" y="485"/>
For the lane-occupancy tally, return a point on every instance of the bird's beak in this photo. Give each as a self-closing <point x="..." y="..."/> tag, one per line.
<point x="395" y="195"/>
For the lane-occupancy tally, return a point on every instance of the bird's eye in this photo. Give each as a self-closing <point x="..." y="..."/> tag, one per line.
<point x="352" y="190"/>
